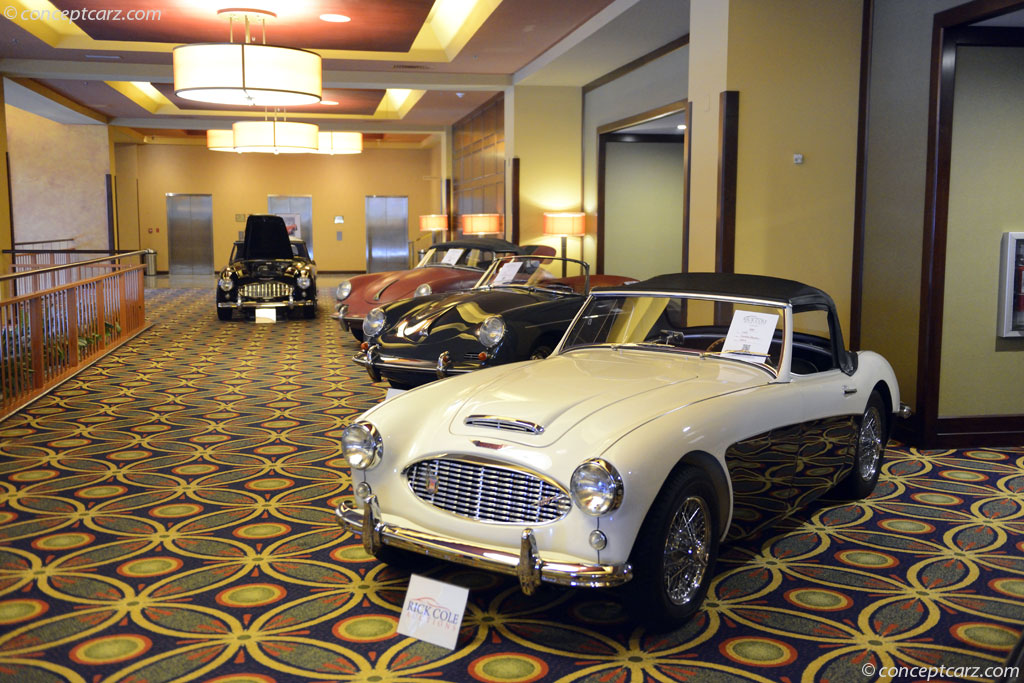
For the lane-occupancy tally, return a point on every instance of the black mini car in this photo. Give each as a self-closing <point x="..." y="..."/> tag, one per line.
<point x="268" y="269"/>
<point x="518" y="310"/>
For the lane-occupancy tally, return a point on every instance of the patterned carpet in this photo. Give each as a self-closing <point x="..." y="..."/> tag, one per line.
<point x="166" y="516"/>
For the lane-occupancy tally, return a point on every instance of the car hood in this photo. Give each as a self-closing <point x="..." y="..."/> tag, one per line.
<point x="602" y="392"/>
<point x="448" y="316"/>
<point x="376" y="289"/>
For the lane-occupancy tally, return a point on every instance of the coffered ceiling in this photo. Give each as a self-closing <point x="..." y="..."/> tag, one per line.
<point x="397" y="67"/>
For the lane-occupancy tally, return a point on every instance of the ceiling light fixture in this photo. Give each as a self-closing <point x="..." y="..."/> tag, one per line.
<point x="220" y="140"/>
<point x="336" y="142"/>
<point x="275" y="137"/>
<point x="247" y="73"/>
<point x="335" y="18"/>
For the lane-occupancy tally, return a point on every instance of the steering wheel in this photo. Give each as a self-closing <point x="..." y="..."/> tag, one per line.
<point x="716" y="345"/>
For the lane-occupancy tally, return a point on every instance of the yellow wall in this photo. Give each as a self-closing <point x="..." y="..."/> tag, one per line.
<point x="240" y="184"/>
<point x="58" y="179"/>
<point x="5" y="197"/>
<point x="710" y="52"/>
<point x="796" y="65"/>
<point x="127" y="172"/>
<point x="980" y="374"/>
<point x="545" y="132"/>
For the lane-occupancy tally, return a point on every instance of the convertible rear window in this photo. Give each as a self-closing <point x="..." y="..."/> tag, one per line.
<point x="737" y="330"/>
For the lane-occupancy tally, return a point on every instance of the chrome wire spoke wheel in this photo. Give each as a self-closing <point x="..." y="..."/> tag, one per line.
<point x="687" y="550"/>
<point x="869" y="443"/>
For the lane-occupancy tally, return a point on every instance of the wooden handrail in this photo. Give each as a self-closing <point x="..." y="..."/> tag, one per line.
<point x="77" y="264"/>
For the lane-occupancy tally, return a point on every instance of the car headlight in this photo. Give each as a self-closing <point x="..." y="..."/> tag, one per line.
<point x="226" y="283"/>
<point x="491" y="331"/>
<point x="373" y="323"/>
<point x="343" y="290"/>
<point x="423" y="290"/>
<point x="361" y="445"/>
<point x="596" y="487"/>
<point x="303" y="281"/>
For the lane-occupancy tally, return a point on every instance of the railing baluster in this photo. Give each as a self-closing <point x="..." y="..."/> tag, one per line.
<point x="73" y="326"/>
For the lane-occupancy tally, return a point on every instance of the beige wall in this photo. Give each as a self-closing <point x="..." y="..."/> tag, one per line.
<point x="643" y="208"/>
<point x="240" y="184"/>
<point x="796" y="66"/>
<point x="543" y="130"/>
<point x="981" y="374"/>
<point x="58" y="179"/>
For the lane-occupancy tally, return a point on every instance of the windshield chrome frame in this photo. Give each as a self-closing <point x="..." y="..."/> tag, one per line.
<point x="781" y="374"/>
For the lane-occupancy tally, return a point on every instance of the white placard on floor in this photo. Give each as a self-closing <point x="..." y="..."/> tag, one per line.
<point x="433" y="611"/>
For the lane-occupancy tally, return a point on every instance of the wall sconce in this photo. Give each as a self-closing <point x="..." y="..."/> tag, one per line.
<point x="565" y="223"/>
<point x="481" y="223"/>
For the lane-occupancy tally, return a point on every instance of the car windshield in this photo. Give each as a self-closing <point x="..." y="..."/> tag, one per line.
<point x="705" y="327"/>
<point x="457" y="257"/>
<point x="533" y="272"/>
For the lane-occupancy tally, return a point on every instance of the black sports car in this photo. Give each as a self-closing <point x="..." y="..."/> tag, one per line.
<point x="268" y="269"/>
<point x="518" y="310"/>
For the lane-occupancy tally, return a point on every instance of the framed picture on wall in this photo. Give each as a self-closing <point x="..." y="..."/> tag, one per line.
<point x="293" y="222"/>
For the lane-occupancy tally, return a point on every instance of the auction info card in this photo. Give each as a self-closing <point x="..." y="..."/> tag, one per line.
<point x="750" y="334"/>
<point x="433" y="611"/>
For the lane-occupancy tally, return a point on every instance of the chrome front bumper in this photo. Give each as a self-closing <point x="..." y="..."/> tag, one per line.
<point x="527" y="565"/>
<point x="375" y="362"/>
<point x="291" y="303"/>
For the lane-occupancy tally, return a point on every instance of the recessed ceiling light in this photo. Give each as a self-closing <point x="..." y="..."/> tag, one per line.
<point x="103" y="56"/>
<point x="335" y="18"/>
<point x="681" y="126"/>
<point x="329" y="102"/>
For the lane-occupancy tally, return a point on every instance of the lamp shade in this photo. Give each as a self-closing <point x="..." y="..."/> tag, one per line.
<point x="247" y="74"/>
<point x="481" y="223"/>
<point x="565" y="223"/>
<point x="433" y="221"/>
<point x="335" y="142"/>
<point x="220" y="140"/>
<point x="275" y="137"/>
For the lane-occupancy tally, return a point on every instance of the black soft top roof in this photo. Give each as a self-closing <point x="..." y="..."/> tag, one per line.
<point x="773" y="289"/>
<point x="484" y="243"/>
<point x="266" y="237"/>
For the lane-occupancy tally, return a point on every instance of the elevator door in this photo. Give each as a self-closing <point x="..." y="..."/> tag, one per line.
<point x="387" y="233"/>
<point x="190" y="234"/>
<point x="291" y="207"/>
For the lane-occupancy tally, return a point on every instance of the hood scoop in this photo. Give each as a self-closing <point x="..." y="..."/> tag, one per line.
<point x="504" y="423"/>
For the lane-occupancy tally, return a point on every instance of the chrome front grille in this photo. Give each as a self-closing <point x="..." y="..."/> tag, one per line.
<point x="271" y="289"/>
<point x="487" y="492"/>
<point x="506" y="423"/>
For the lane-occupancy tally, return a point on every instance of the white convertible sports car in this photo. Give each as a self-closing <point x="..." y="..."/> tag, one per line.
<point x="675" y="414"/>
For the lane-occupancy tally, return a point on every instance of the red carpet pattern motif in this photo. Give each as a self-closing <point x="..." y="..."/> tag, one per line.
<point x="166" y="516"/>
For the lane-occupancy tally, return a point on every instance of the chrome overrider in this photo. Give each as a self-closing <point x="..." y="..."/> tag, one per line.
<point x="373" y="360"/>
<point x="527" y="565"/>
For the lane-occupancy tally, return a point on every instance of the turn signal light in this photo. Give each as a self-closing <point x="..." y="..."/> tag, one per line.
<point x="482" y="356"/>
<point x="364" y="345"/>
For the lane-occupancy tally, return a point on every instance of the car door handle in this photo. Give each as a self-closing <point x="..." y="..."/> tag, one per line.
<point x="849" y="391"/>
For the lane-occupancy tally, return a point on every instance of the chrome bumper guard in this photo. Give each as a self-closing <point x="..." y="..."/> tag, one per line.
<point x="527" y="565"/>
<point x="374" y="361"/>
<point x="291" y="303"/>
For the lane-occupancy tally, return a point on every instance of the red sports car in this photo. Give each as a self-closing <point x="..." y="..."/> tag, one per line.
<point x="446" y="267"/>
